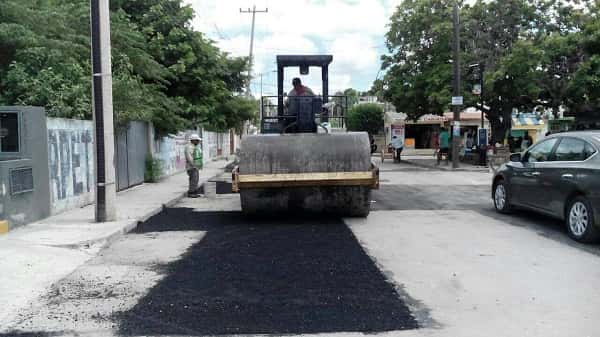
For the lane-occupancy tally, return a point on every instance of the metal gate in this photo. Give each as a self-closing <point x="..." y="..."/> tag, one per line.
<point x="131" y="145"/>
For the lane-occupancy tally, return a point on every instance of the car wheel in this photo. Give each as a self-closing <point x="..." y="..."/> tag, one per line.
<point x="580" y="221"/>
<point x="501" y="199"/>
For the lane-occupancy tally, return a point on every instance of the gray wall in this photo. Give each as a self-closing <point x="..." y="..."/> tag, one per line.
<point x="71" y="163"/>
<point x="171" y="150"/>
<point x="30" y="206"/>
<point x="61" y="154"/>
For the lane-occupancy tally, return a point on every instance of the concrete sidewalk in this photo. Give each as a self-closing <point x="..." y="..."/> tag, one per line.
<point x="35" y="256"/>
<point x="430" y="162"/>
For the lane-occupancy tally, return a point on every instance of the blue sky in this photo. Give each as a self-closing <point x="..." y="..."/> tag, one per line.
<point x="351" y="30"/>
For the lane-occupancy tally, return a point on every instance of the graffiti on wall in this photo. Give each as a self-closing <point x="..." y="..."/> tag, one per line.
<point x="171" y="152"/>
<point x="71" y="163"/>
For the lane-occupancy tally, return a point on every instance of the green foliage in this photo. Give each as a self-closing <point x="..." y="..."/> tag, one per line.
<point x="365" y="117"/>
<point x="233" y="112"/>
<point x="153" y="169"/>
<point x="163" y="71"/>
<point x="419" y="40"/>
<point x="536" y="54"/>
<point x="352" y="97"/>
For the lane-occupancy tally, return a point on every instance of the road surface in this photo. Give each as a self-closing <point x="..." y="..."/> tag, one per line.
<point x="432" y="259"/>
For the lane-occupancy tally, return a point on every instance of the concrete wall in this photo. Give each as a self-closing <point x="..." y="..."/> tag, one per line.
<point x="29" y="206"/>
<point x="71" y="163"/>
<point x="61" y="155"/>
<point x="214" y="144"/>
<point x="171" y="150"/>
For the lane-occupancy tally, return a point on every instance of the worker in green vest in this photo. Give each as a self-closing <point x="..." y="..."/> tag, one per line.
<point x="193" y="164"/>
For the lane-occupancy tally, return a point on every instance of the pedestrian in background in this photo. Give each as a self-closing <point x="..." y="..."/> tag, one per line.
<point x="469" y="142"/>
<point x="193" y="164"/>
<point x="398" y="145"/>
<point x="444" y="141"/>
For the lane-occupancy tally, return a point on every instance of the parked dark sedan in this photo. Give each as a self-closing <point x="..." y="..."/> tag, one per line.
<point x="558" y="176"/>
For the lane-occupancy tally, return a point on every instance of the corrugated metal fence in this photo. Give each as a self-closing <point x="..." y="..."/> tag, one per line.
<point x="132" y="147"/>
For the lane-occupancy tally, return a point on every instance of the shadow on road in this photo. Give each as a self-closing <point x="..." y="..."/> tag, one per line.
<point x="265" y="277"/>
<point x="548" y="227"/>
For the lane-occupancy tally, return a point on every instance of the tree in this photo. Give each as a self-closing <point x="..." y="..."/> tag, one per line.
<point x="234" y="112"/>
<point x="352" y="96"/>
<point x="417" y="80"/>
<point x="530" y="51"/>
<point x="365" y="117"/>
<point x="163" y="70"/>
<point x="584" y="89"/>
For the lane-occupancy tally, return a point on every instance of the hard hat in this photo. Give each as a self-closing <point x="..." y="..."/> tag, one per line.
<point x="195" y="137"/>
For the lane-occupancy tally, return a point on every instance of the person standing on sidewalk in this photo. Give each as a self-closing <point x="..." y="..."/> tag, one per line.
<point x="444" y="141"/>
<point x="193" y="164"/>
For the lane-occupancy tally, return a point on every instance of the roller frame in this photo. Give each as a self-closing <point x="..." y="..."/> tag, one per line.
<point x="368" y="178"/>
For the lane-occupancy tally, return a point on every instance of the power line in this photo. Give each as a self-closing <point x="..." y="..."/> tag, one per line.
<point x="219" y="33"/>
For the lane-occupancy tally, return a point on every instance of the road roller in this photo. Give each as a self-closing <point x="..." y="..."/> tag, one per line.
<point x="303" y="160"/>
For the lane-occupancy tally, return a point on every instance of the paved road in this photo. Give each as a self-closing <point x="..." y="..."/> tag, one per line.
<point x="432" y="259"/>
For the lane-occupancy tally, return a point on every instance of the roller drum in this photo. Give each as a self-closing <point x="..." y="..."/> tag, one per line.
<point x="306" y="153"/>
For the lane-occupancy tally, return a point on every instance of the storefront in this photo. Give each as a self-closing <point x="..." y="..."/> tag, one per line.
<point x="418" y="134"/>
<point x="470" y="123"/>
<point x="423" y="133"/>
<point x="528" y="124"/>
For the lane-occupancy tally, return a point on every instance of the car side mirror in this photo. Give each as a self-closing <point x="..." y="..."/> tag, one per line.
<point x="515" y="157"/>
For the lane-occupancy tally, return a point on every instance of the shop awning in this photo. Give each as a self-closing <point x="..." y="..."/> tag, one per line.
<point x="527" y="122"/>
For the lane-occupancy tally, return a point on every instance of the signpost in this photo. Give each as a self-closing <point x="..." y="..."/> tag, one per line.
<point x="457" y="100"/>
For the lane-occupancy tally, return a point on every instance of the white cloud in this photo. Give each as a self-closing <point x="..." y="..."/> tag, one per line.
<point x="354" y="51"/>
<point x="353" y="31"/>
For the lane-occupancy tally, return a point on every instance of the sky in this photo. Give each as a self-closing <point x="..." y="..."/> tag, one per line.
<point x="351" y="30"/>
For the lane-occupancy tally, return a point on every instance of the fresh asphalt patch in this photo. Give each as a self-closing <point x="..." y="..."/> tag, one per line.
<point x="223" y="187"/>
<point x="32" y="334"/>
<point x="278" y="276"/>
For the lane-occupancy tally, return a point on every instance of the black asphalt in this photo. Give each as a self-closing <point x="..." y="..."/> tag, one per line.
<point x="279" y="276"/>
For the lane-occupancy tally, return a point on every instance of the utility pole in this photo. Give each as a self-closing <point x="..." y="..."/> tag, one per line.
<point x="457" y="98"/>
<point x="103" y="112"/>
<point x="261" y="98"/>
<point x="253" y="11"/>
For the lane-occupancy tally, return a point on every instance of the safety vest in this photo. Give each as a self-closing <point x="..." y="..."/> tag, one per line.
<point x="197" y="157"/>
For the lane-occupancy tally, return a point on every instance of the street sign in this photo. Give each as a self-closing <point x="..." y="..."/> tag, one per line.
<point x="483" y="137"/>
<point x="457" y="100"/>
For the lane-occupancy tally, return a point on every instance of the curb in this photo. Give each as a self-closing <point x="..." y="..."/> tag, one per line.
<point x="134" y="223"/>
<point x="442" y="168"/>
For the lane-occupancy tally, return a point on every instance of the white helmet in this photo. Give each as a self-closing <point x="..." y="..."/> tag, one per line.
<point x="195" y="137"/>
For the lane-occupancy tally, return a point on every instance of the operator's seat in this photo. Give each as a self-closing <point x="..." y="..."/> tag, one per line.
<point x="305" y="108"/>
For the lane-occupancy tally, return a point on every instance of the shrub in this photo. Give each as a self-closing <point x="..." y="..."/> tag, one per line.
<point x="153" y="170"/>
<point x="365" y="117"/>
